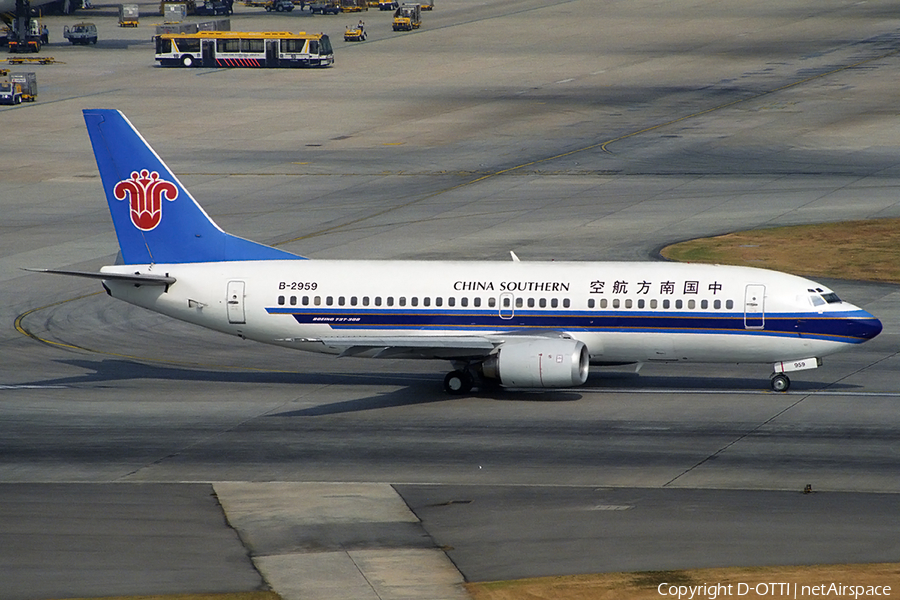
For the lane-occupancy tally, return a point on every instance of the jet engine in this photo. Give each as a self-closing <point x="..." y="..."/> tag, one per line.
<point x="533" y="362"/>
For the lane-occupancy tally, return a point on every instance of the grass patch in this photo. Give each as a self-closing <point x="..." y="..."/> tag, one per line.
<point x="644" y="585"/>
<point x="236" y="596"/>
<point x="858" y="250"/>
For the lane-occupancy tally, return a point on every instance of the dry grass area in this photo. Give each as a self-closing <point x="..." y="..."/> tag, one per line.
<point x="859" y="250"/>
<point x="644" y="585"/>
<point x="238" y="596"/>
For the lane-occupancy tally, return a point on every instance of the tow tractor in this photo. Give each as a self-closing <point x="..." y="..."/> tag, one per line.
<point x="355" y="34"/>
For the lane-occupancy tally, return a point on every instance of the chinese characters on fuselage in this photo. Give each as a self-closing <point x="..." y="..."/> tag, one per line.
<point x="665" y="288"/>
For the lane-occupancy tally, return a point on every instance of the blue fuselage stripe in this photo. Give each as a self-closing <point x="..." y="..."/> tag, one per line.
<point x="848" y="327"/>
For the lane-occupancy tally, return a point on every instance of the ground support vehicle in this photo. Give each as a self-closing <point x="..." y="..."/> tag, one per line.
<point x="355" y="34"/>
<point x="129" y="15"/>
<point x="82" y="33"/>
<point x="244" y="49"/>
<point x="10" y="93"/>
<point x="326" y="7"/>
<point x="210" y="8"/>
<point x="40" y="60"/>
<point x="279" y="6"/>
<point x="29" y="41"/>
<point x="190" y="6"/>
<point x="408" y="17"/>
<point x="351" y="6"/>
<point x="388" y="5"/>
<point x="27" y="83"/>
<point x="427" y="4"/>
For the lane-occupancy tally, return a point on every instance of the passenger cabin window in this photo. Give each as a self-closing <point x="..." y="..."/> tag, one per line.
<point x="228" y="46"/>
<point x="293" y="45"/>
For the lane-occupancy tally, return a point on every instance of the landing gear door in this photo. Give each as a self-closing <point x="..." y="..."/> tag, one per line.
<point x="754" y="306"/>
<point x="235" y="302"/>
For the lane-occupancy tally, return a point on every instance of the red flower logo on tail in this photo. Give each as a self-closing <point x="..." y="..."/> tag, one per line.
<point x="145" y="192"/>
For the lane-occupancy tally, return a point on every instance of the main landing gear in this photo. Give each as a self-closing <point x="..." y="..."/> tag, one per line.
<point x="780" y="382"/>
<point x="458" y="382"/>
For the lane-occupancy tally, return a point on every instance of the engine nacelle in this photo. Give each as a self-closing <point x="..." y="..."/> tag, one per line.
<point x="545" y="363"/>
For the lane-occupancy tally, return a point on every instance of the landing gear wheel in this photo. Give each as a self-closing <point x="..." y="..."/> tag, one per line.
<point x="458" y="382"/>
<point x="780" y="382"/>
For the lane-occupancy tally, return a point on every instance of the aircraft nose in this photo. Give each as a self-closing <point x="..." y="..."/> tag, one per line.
<point x="864" y="326"/>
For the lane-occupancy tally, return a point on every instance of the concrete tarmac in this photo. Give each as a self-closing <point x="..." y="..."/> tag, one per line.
<point x="194" y="462"/>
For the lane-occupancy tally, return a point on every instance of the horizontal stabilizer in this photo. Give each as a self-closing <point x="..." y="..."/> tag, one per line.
<point x="137" y="278"/>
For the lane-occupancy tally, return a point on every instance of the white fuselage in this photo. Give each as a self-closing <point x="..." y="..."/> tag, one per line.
<point x="622" y="312"/>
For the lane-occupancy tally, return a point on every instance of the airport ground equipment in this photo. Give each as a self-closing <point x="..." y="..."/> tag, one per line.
<point x="24" y="34"/>
<point x="427" y="4"/>
<point x="10" y="92"/>
<point x="27" y="60"/>
<point x="27" y="83"/>
<point x="326" y="7"/>
<point x="212" y="8"/>
<point x="408" y="17"/>
<point x="351" y="6"/>
<point x="355" y="34"/>
<point x="388" y="5"/>
<point x="81" y="33"/>
<point x="279" y="6"/>
<point x="129" y="15"/>
<point x="190" y="6"/>
<point x="244" y="49"/>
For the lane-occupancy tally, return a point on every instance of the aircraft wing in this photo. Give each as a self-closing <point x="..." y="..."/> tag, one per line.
<point x="467" y="347"/>
<point x="444" y="347"/>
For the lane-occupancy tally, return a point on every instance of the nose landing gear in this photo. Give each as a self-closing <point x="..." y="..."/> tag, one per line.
<point x="780" y="382"/>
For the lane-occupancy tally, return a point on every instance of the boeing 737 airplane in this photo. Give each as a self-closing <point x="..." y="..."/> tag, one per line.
<point x="518" y="323"/>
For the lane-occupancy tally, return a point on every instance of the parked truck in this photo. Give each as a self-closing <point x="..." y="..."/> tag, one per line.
<point x="408" y="17"/>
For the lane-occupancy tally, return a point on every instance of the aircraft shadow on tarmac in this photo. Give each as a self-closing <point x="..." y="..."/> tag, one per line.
<point x="417" y="388"/>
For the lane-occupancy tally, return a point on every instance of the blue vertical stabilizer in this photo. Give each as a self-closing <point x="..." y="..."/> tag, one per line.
<point x="156" y="219"/>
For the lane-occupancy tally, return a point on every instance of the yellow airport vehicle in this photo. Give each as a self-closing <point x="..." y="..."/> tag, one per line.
<point x="351" y="6"/>
<point x="408" y="17"/>
<point x="39" y="60"/>
<point x="355" y="34"/>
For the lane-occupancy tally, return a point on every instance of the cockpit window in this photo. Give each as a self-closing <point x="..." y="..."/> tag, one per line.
<point x="816" y="300"/>
<point x="831" y="298"/>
